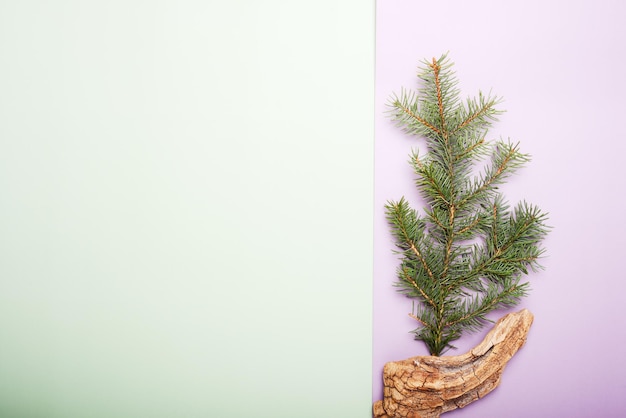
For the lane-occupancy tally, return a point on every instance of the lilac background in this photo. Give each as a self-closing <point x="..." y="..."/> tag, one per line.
<point x="561" y="68"/>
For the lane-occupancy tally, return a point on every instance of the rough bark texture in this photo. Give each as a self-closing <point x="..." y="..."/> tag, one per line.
<point x="427" y="386"/>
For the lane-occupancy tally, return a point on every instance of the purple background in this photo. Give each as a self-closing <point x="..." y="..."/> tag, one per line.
<point x="561" y="68"/>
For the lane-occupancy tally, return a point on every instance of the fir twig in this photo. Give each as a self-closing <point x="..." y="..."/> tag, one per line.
<point x="455" y="281"/>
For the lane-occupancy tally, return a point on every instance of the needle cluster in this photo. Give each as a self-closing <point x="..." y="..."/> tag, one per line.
<point x="465" y="255"/>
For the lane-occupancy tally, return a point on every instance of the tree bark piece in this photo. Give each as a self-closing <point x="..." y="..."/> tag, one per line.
<point x="427" y="386"/>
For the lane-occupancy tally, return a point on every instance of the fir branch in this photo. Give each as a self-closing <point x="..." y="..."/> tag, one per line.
<point x="465" y="258"/>
<point x="528" y="230"/>
<point x="506" y="159"/>
<point x="473" y="314"/>
<point x="406" y="115"/>
<point x="528" y="227"/>
<point x="436" y="68"/>
<point x="432" y="216"/>
<point x="439" y="89"/>
<point x="421" y="258"/>
<point x="494" y="227"/>
<point x="434" y="182"/>
<point x="477" y="113"/>
<point x="419" y="119"/>
<point x="417" y="287"/>
<point x="472" y="225"/>
<point x="401" y="216"/>
<point x="418" y="319"/>
<point x="469" y="150"/>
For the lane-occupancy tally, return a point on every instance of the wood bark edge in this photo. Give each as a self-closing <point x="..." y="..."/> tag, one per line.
<point x="427" y="386"/>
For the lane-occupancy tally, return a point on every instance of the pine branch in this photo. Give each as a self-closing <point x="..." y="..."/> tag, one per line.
<point x="478" y="113"/>
<point x="407" y="230"/>
<point x="439" y="91"/>
<point x="506" y="159"/>
<point x="436" y="68"/>
<point x="517" y="249"/>
<point x="471" y="149"/>
<point x="473" y="315"/>
<point x="421" y="291"/>
<point x="434" y="183"/>
<point x="406" y="114"/>
<point x="472" y="225"/>
<point x="465" y="258"/>
<point x="418" y="319"/>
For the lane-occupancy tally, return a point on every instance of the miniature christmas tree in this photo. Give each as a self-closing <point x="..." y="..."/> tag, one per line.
<point x="465" y="255"/>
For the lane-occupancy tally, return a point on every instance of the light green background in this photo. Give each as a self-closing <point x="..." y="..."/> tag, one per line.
<point x="185" y="208"/>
